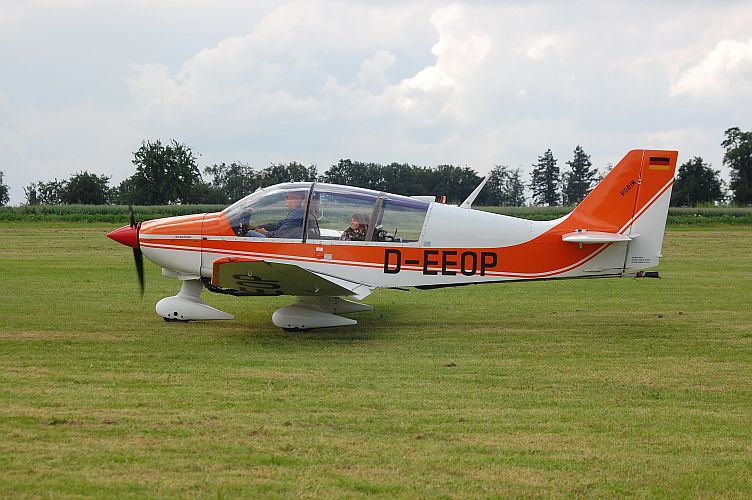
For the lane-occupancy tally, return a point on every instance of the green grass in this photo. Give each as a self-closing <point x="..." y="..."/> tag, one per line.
<point x="590" y="387"/>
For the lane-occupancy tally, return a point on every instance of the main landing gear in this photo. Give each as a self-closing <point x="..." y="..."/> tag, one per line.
<point x="317" y="312"/>
<point x="303" y="314"/>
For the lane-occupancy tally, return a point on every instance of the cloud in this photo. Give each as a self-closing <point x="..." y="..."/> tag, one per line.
<point x="726" y="68"/>
<point x="372" y="74"/>
<point x="460" y="53"/>
<point x="151" y="85"/>
<point x="15" y="11"/>
<point x="272" y="81"/>
<point x="476" y="83"/>
<point x="542" y="46"/>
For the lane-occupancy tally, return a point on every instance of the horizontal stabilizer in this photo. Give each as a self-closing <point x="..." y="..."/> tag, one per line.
<point x="594" y="237"/>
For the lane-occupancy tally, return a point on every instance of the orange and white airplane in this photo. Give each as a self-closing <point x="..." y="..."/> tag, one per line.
<point x="323" y="243"/>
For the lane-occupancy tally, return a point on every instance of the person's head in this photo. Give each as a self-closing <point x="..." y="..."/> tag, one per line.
<point x="358" y="220"/>
<point x="294" y="199"/>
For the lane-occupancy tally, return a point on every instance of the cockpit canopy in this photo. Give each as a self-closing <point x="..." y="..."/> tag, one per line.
<point x="326" y="211"/>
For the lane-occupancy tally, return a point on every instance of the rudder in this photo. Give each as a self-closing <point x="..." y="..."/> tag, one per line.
<point x="648" y="224"/>
<point x="632" y="199"/>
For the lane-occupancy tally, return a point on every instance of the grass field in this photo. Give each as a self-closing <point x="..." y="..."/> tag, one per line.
<point x="590" y="387"/>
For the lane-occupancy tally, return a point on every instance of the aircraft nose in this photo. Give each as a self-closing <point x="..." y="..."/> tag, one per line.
<point x="126" y="235"/>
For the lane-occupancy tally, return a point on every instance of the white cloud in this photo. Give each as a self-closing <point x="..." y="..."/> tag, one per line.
<point x="460" y="53"/>
<point x="272" y="76"/>
<point x="151" y="85"/>
<point x="372" y="74"/>
<point x="521" y="95"/>
<point x="727" y="67"/>
<point x="476" y="83"/>
<point x="539" y="48"/>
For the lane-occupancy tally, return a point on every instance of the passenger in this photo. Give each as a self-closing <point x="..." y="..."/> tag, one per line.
<point x="292" y="225"/>
<point x="358" y="228"/>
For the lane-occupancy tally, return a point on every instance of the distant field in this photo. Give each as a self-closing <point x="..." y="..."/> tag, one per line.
<point x="591" y="387"/>
<point x="119" y="213"/>
<point x="676" y="215"/>
<point x="98" y="213"/>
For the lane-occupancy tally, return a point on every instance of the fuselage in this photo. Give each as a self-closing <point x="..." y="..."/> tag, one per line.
<point x="424" y="243"/>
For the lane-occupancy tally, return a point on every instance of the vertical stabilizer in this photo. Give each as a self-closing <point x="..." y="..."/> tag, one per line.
<point x="651" y="210"/>
<point x="632" y="200"/>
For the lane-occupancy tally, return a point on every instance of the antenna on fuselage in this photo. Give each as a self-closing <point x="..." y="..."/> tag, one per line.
<point x="470" y="199"/>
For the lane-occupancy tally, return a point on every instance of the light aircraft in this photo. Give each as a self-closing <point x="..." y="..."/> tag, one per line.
<point x="287" y="239"/>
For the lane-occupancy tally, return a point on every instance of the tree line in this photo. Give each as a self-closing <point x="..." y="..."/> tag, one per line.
<point x="169" y="174"/>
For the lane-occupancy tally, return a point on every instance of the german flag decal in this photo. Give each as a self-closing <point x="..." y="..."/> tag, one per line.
<point x="659" y="163"/>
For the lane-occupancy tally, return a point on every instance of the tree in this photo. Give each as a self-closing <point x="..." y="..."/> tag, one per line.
<point x="124" y="193"/>
<point x="355" y="173"/>
<point x="204" y="193"/>
<point x="545" y="181"/>
<point x="4" y="190"/>
<point x="164" y="174"/>
<point x="696" y="183"/>
<point x="602" y="175"/>
<point x="290" y="172"/>
<point x="405" y="179"/>
<point x="45" y="193"/>
<point x="515" y="189"/>
<point x="86" y="189"/>
<point x="505" y="187"/>
<point x="234" y="181"/>
<point x="456" y="182"/>
<point x="578" y="182"/>
<point x="450" y="180"/>
<point x="738" y="158"/>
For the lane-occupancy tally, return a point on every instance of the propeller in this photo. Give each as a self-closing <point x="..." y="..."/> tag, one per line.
<point x="128" y="236"/>
<point x="138" y="256"/>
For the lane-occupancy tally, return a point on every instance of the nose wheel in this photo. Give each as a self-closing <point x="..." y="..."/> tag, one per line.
<point x="187" y="305"/>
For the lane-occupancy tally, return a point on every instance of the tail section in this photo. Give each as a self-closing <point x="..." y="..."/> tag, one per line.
<point x="632" y="200"/>
<point x="627" y="191"/>
<point x="649" y="220"/>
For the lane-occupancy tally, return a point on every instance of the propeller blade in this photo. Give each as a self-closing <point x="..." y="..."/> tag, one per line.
<point x="139" y="258"/>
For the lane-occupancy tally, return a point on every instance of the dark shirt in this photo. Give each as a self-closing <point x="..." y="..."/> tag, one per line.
<point x="358" y="234"/>
<point x="290" y="227"/>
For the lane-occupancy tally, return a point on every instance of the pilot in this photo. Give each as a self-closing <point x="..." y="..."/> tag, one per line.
<point x="292" y="225"/>
<point x="358" y="228"/>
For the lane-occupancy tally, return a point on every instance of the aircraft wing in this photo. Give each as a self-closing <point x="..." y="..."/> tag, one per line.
<point x="264" y="278"/>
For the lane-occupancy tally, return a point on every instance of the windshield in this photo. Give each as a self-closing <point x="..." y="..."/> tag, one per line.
<point x="334" y="213"/>
<point x="274" y="212"/>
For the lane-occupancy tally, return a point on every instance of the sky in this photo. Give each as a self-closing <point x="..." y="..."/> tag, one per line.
<point x="84" y="82"/>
